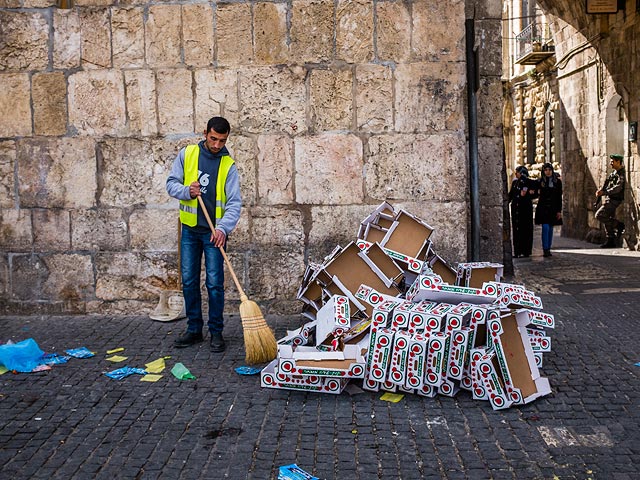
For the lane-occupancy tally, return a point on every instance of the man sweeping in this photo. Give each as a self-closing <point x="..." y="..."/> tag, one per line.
<point x="613" y="193"/>
<point x="205" y="170"/>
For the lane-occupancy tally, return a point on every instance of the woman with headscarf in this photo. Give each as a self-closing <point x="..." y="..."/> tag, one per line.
<point x="523" y="190"/>
<point x="549" y="209"/>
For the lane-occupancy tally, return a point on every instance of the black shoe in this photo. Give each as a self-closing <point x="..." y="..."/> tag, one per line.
<point x="610" y="243"/>
<point x="546" y="253"/>
<point x="188" y="339"/>
<point x="217" y="343"/>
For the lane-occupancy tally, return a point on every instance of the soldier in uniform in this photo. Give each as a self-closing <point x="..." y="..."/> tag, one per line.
<point x="613" y="193"/>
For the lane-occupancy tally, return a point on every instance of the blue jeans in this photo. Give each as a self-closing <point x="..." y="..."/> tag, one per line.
<point x="547" y="236"/>
<point x="192" y="246"/>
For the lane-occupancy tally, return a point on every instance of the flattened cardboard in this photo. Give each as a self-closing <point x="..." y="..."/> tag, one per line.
<point x="269" y="379"/>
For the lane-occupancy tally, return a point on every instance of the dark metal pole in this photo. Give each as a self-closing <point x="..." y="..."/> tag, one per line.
<point x="472" y="110"/>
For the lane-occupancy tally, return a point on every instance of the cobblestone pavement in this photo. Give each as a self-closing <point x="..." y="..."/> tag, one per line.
<point x="74" y="422"/>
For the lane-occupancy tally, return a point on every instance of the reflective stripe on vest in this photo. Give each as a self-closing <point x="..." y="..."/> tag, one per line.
<point x="189" y="208"/>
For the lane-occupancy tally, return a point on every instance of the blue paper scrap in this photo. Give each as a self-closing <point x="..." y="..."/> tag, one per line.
<point x="248" y="370"/>
<point x="123" y="372"/>
<point x="294" y="472"/>
<point x="54" y="359"/>
<point x="638" y="364"/>
<point x="82" y="352"/>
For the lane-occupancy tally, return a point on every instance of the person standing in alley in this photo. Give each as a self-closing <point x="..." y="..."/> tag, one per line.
<point x="613" y="193"/>
<point x="549" y="208"/>
<point x="522" y="192"/>
<point x="206" y="170"/>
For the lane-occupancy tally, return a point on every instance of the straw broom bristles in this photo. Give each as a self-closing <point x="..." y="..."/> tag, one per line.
<point x="259" y="342"/>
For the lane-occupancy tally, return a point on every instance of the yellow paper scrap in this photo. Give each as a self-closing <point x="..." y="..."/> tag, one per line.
<point x="115" y="350"/>
<point x="156" y="366"/>
<point x="116" y="358"/>
<point x="3" y="369"/>
<point x="392" y="397"/>
<point x="150" y="377"/>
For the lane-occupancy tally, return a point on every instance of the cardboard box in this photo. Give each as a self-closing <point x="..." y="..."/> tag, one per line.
<point x="381" y="341"/>
<point x="517" y="300"/>
<point x="348" y="363"/>
<point x="541" y="319"/>
<point x="478" y="390"/>
<point x="427" y="391"/>
<point x="476" y="274"/>
<point x="441" y="268"/>
<point x="436" y="360"/>
<point x="420" y="318"/>
<point x="515" y="357"/>
<point x="458" y="353"/>
<point x="487" y="371"/>
<point x="540" y="343"/>
<point x="299" y="336"/>
<point x="370" y="296"/>
<point x="401" y="316"/>
<point x="397" y="372"/>
<point x="334" y="316"/>
<point x="426" y="289"/>
<point x="382" y="314"/>
<point x="269" y="379"/>
<point x="416" y="361"/>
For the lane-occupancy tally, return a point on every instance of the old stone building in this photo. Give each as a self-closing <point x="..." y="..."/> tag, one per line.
<point x="335" y="106"/>
<point x="571" y="97"/>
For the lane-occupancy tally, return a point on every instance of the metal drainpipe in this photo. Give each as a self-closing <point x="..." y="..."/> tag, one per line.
<point x="472" y="110"/>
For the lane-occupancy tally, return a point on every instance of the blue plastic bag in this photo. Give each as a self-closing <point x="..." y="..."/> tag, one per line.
<point x="82" y="352"/>
<point x="23" y="356"/>
<point x="123" y="372"/>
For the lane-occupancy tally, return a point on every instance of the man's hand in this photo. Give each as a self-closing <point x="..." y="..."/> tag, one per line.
<point x="194" y="189"/>
<point x="218" y="238"/>
<point x="599" y="193"/>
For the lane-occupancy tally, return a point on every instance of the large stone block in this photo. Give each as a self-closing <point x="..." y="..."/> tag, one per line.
<point x="393" y="31"/>
<point x="334" y="225"/>
<point x="49" y="93"/>
<point x="354" y="31"/>
<point x="96" y="102"/>
<point x="23" y="41"/>
<point x="51" y="229"/>
<point x="127" y="29"/>
<point x="28" y="273"/>
<point x="430" y="97"/>
<point x="133" y="276"/>
<point x="15" y="111"/>
<point x="197" y="34"/>
<point x="312" y="31"/>
<point x="491" y="233"/>
<point x="425" y="167"/>
<point x="57" y="173"/>
<point x="331" y="99"/>
<point x="244" y="151"/>
<point x="274" y="276"/>
<point x="275" y="170"/>
<point x="489" y="34"/>
<point x="490" y="107"/>
<point x="69" y="279"/>
<point x="273" y="100"/>
<point x="67" y="39"/>
<point x="438" y="31"/>
<point x="7" y="173"/>
<point x="96" y="38"/>
<point x="270" y="33"/>
<point x="99" y="230"/>
<point x="491" y="183"/>
<point x="15" y="229"/>
<point x="134" y="172"/>
<point x="153" y="229"/>
<point x="216" y="94"/>
<point x="4" y="277"/>
<point x="234" y="41"/>
<point x="374" y="98"/>
<point x="162" y="36"/>
<point x="329" y="170"/>
<point x="140" y="87"/>
<point x="175" y="101"/>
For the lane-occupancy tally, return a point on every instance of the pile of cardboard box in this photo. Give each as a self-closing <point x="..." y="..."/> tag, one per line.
<point x="388" y="311"/>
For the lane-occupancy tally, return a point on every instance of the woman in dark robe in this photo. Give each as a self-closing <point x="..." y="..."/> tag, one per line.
<point x="520" y="195"/>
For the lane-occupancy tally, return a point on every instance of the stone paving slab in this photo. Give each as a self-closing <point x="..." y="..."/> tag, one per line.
<point x="74" y="422"/>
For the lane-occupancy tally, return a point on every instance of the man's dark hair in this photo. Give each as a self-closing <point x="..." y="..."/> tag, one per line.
<point x="218" y="124"/>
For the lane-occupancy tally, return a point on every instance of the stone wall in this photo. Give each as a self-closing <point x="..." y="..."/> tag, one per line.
<point x="335" y="106"/>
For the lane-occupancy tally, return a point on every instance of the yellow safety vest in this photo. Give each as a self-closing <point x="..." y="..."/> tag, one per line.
<point x="189" y="208"/>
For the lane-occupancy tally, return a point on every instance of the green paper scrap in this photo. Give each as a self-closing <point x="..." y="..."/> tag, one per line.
<point x="3" y="369"/>
<point x="151" y="377"/>
<point x="116" y="358"/>
<point x="181" y="372"/>
<point x="156" y="366"/>
<point x="392" y="397"/>
<point x="115" y="350"/>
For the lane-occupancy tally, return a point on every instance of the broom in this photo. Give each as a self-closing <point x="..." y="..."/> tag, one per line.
<point x="259" y="342"/>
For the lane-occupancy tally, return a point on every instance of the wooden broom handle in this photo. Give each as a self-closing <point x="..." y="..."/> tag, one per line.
<point x="224" y="254"/>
